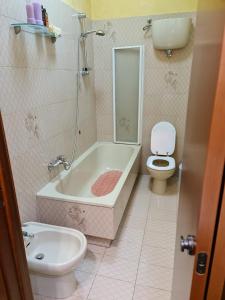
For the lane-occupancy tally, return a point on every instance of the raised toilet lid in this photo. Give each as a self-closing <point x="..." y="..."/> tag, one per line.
<point x="163" y="138"/>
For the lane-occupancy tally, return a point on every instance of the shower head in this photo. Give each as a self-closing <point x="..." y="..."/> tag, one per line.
<point x="97" y="32"/>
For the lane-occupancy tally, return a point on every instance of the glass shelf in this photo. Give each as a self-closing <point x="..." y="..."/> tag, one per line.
<point x="35" y="29"/>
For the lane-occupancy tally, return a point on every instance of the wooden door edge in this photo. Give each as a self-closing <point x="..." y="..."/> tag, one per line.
<point x="217" y="274"/>
<point x="13" y="220"/>
<point x="212" y="183"/>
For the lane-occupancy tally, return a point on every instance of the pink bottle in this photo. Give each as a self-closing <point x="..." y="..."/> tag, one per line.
<point x="30" y="13"/>
<point x="37" y="12"/>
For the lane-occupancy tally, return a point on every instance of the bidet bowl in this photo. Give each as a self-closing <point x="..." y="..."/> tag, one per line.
<point x="61" y="252"/>
<point x="52" y="255"/>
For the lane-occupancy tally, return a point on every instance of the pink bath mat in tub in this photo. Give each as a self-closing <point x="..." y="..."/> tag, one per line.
<point x="105" y="183"/>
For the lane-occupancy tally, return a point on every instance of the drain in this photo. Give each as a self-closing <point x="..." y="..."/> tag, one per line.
<point x="39" y="256"/>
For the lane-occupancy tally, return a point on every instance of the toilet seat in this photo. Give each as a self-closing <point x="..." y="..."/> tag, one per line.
<point x="170" y="160"/>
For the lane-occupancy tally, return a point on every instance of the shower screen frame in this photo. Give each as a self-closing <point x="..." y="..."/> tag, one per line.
<point x="140" y="93"/>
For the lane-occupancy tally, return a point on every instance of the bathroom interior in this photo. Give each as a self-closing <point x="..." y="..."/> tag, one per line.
<point x="94" y="100"/>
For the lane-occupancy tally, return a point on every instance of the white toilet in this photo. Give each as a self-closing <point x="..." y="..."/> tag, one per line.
<point x="53" y="253"/>
<point x="161" y="165"/>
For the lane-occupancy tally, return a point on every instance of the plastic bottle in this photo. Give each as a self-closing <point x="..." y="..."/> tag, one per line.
<point x="45" y="17"/>
<point x="37" y="12"/>
<point x="30" y="13"/>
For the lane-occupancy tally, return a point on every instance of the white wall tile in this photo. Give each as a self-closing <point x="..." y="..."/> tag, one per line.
<point x="38" y="98"/>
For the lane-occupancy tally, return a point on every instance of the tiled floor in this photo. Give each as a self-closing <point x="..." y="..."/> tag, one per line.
<point x="139" y="263"/>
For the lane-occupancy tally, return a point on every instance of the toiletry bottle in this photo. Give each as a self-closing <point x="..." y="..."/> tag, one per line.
<point x="45" y="17"/>
<point x="30" y="13"/>
<point x="37" y="12"/>
<point x="43" y="14"/>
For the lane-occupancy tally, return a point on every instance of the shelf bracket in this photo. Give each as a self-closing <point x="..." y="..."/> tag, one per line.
<point x="53" y="39"/>
<point x="17" y="29"/>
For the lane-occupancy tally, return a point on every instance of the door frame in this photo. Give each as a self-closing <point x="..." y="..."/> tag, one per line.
<point x="213" y="176"/>
<point x="14" y="275"/>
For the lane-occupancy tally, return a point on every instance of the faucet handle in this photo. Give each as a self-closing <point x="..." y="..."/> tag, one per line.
<point x="27" y="234"/>
<point x="61" y="157"/>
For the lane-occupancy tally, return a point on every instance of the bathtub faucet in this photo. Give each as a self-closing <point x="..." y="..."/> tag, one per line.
<point x="60" y="160"/>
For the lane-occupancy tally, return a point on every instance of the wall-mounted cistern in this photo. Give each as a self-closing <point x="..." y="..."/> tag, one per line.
<point x="60" y="160"/>
<point x="169" y="34"/>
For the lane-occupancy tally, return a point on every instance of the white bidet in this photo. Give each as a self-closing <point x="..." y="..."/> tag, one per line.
<point x="53" y="253"/>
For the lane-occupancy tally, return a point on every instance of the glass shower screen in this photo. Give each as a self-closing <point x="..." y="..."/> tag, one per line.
<point x="128" y="94"/>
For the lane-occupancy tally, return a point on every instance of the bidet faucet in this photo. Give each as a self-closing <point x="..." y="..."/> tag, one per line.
<point x="27" y="234"/>
<point x="60" y="160"/>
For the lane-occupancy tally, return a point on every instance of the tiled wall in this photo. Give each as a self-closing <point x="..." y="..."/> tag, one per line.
<point x="38" y="92"/>
<point x="166" y="81"/>
<point x="38" y="97"/>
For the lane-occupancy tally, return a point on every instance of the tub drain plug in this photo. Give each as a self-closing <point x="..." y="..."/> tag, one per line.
<point x="39" y="256"/>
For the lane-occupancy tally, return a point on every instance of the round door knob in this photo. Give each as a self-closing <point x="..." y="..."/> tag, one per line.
<point x="188" y="244"/>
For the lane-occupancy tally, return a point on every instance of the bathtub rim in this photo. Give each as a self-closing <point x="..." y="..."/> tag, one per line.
<point x="49" y="190"/>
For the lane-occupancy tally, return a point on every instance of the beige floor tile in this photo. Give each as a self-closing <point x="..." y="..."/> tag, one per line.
<point x="84" y="284"/>
<point x="118" y="268"/>
<point x="111" y="289"/>
<point x="124" y="249"/>
<point x="135" y="222"/>
<point x="157" y="256"/>
<point x="164" y="202"/>
<point x="163" y="215"/>
<point x="130" y="234"/>
<point x="147" y="293"/>
<point x="96" y="249"/>
<point x="140" y="198"/>
<point x="142" y="184"/>
<point x="160" y="239"/>
<point x="154" y="276"/>
<point x="138" y="210"/>
<point x="91" y="262"/>
<point x="161" y="226"/>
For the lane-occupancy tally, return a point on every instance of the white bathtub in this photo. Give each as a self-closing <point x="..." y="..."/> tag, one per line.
<point x="68" y="201"/>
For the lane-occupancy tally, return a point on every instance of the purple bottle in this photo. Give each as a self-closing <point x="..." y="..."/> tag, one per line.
<point x="38" y="12"/>
<point x="30" y="13"/>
